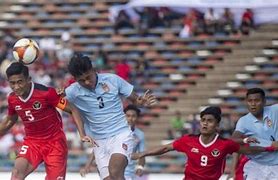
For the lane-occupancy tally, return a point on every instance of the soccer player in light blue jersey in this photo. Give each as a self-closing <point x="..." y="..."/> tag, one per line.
<point x="98" y="96"/>
<point x="132" y="115"/>
<point x="261" y="123"/>
<point x="131" y="170"/>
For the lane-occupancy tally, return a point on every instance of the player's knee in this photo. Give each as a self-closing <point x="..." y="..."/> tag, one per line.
<point x="16" y="175"/>
<point x="115" y="174"/>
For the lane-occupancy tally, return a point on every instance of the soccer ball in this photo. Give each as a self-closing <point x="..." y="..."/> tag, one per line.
<point x="26" y="51"/>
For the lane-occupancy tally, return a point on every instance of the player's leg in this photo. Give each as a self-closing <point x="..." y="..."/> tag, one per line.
<point x="102" y="158"/>
<point x="253" y="171"/>
<point x="55" y="158"/>
<point x="22" y="169"/>
<point x="28" y="159"/>
<point x="121" y="148"/>
<point x="117" y="165"/>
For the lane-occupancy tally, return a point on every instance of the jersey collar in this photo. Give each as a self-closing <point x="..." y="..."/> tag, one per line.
<point x="209" y="144"/>
<point x="30" y="94"/>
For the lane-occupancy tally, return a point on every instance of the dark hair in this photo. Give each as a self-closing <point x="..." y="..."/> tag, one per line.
<point x="212" y="110"/>
<point x="17" y="68"/>
<point x="256" y="91"/>
<point x="134" y="108"/>
<point x="79" y="64"/>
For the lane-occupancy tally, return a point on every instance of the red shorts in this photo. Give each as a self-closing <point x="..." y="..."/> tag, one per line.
<point x="239" y="169"/>
<point x="52" y="152"/>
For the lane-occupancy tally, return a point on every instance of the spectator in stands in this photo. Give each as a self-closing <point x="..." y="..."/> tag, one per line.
<point x="3" y="51"/>
<point x="122" y="21"/>
<point x="226" y="126"/>
<point x="48" y="49"/>
<point x="123" y="69"/>
<point x="211" y="21"/>
<point x="247" y="22"/>
<point x="227" y="21"/>
<point x="149" y="18"/>
<point x="64" y="50"/>
<point x="206" y="152"/>
<point x="189" y="24"/>
<point x="177" y="125"/>
<point x="101" y="61"/>
<point x="167" y="16"/>
<point x="141" y="72"/>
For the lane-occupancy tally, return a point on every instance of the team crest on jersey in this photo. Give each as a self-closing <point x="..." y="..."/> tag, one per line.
<point x="215" y="152"/>
<point x="37" y="105"/>
<point x="268" y="121"/>
<point x="124" y="146"/>
<point x="195" y="150"/>
<point x="105" y="87"/>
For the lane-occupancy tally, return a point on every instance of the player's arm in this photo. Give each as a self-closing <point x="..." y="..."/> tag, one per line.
<point x="140" y="166"/>
<point x="70" y="108"/>
<point x="256" y="149"/>
<point x="240" y="138"/>
<point x="148" y="99"/>
<point x="156" y="151"/>
<point x="7" y="123"/>
<point x="86" y="169"/>
<point x="234" y="165"/>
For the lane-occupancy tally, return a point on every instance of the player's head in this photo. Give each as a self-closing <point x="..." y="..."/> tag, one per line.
<point x="132" y="113"/>
<point x="82" y="70"/>
<point x="210" y="119"/>
<point x="18" y="78"/>
<point x="255" y="100"/>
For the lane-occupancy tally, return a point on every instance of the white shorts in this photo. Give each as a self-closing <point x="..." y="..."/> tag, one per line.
<point x="256" y="171"/>
<point x="122" y="143"/>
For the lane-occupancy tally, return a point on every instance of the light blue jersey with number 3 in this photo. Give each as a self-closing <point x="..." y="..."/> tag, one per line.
<point x="101" y="108"/>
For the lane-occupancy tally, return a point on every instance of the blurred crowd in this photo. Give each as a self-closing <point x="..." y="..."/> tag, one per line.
<point x="193" y="22"/>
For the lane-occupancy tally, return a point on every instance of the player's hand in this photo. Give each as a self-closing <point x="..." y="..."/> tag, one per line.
<point x="139" y="172"/>
<point x="275" y="144"/>
<point x="148" y="99"/>
<point x="61" y="91"/>
<point x="249" y="140"/>
<point x="89" y="140"/>
<point x="83" y="171"/>
<point x="135" y="156"/>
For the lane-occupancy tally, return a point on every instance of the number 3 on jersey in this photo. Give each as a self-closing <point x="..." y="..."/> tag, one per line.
<point x="204" y="160"/>
<point x="100" y="102"/>
<point x="29" y="115"/>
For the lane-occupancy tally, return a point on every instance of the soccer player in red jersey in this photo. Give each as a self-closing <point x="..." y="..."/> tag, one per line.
<point x="45" y="140"/>
<point x="206" y="153"/>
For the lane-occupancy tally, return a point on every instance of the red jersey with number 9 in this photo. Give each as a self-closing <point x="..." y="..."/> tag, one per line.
<point x="38" y="112"/>
<point x="204" y="161"/>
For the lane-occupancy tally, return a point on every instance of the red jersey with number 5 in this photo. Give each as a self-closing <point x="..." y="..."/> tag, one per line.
<point x="38" y="112"/>
<point x="204" y="161"/>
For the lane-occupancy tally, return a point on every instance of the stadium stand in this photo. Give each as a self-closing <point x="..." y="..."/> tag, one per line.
<point x="185" y="74"/>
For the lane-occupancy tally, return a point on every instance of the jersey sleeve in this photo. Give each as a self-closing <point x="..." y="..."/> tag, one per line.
<point x="181" y="144"/>
<point x="69" y="94"/>
<point x="11" y="109"/>
<point x="240" y="126"/>
<point x="141" y="147"/>
<point x="232" y="146"/>
<point x="125" y="88"/>
<point x="55" y="100"/>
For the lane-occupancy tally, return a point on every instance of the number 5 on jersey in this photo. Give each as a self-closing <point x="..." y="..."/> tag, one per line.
<point x="23" y="149"/>
<point x="29" y="115"/>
